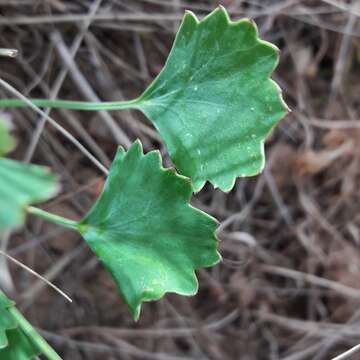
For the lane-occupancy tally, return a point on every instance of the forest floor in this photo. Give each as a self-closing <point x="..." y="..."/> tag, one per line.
<point x="289" y="285"/>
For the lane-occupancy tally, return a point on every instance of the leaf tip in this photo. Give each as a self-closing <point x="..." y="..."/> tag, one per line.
<point x="286" y="106"/>
<point x="120" y="149"/>
<point x="135" y="310"/>
<point x="189" y="15"/>
<point x="222" y="9"/>
<point x="197" y="185"/>
<point x="138" y="146"/>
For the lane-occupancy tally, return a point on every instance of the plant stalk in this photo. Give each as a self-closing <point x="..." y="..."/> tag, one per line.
<point x="72" y="105"/>
<point x="53" y="218"/>
<point x="33" y="335"/>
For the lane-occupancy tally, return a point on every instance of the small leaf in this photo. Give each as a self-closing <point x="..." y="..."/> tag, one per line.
<point x="146" y="233"/>
<point x="20" y="185"/>
<point x="20" y="347"/>
<point x="7" y="142"/>
<point x="214" y="103"/>
<point x="6" y="320"/>
<point x="14" y="344"/>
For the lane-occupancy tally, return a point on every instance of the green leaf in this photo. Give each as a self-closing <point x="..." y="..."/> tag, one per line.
<point x="20" y="185"/>
<point x="6" y="320"/>
<point x="214" y="103"/>
<point x="14" y="344"/>
<point x="20" y="347"/>
<point x="7" y="142"/>
<point x="146" y="233"/>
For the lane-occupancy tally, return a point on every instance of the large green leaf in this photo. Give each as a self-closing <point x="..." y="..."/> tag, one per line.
<point x="6" y="140"/>
<point x="14" y="344"/>
<point x="146" y="233"/>
<point x="22" y="184"/>
<point x="214" y="103"/>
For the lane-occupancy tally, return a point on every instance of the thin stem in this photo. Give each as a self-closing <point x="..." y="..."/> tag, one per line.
<point x="73" y="105"/>
<point x="51" y="121"/>
<point x="32" y="272"/>
<point x="53" y="218"/>
<point x="32" y="334"/>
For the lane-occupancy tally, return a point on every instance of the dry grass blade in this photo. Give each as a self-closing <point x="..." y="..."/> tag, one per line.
<point x="32" y="272"/>
<point x="289" y="285"/>
<point x="348" y="354"/>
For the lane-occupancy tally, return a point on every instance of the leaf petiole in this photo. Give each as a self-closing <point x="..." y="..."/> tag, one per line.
<point x="72" y="105"/>
<point x="53" y="218"/>
<point x="32" y="334"/>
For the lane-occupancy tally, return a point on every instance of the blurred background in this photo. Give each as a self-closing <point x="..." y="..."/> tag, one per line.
<point x="289" y="285"/>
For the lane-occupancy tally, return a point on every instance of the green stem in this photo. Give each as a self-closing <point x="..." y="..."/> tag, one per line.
<point x="33" y="335"/>
<point x="53" y="218"/>
<point x="73" y="105"/>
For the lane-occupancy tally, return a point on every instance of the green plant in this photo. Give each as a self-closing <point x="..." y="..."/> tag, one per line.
<point x="18" y="339"/>
<point x="214" y="104"/>
<point x="16" y="194"/>
<point x="147" y="233"/>
<point x="6" y="141"/>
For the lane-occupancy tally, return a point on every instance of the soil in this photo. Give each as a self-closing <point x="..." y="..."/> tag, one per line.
<point x="289" y="284"/>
